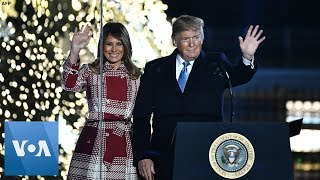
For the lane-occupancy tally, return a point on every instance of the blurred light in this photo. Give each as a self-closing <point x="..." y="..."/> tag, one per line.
<point x="306" y="141"/>
<point x="39" y="71"/>
<point x="307" y="166"/>
<point x="307" y="110"/>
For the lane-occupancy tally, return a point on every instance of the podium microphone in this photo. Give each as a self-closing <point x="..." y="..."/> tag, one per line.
<point x="221" y="71"/>
<point x="231" y="95"/>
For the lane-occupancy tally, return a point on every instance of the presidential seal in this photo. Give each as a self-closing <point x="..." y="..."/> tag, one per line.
<point x="231" y="155"/>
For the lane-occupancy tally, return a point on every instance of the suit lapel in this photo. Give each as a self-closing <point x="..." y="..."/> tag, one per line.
<point x="171" y="73"/>
<point x="196" y="71"/>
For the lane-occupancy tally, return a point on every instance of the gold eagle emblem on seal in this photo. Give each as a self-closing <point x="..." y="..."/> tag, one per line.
<point x="231" y="155"/>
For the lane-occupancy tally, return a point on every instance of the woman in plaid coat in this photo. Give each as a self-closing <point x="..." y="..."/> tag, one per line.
<point x="112" y="158"/>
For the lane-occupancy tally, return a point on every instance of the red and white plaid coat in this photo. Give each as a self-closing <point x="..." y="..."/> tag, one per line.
<point x="118" y="96"/>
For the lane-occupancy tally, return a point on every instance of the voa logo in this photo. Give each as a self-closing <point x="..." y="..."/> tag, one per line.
<point x="42" y="148"/>
<point x="31" y="148"/>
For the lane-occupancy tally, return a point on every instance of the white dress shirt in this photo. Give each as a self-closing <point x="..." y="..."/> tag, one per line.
<point x="179" y="64"/>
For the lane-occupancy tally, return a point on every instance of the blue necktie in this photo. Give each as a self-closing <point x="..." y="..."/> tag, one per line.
<point x="183" y="77"/>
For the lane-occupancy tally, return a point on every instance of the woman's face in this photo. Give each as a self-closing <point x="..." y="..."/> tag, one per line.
<point x="113" y="50"/>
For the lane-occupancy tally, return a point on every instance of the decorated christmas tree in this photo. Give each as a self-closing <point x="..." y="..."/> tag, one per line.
<point x="35" y="39"/>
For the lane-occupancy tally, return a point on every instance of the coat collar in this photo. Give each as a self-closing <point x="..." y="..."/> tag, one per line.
<point x="193" y="74"/>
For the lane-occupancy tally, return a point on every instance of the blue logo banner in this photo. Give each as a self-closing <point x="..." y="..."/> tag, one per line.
<point x="31" y="148"/>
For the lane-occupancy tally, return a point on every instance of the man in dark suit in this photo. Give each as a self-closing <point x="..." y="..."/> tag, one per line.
<point x="184" y="86"/>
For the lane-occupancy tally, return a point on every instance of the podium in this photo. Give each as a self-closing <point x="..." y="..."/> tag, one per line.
<point x="270" y="141"/>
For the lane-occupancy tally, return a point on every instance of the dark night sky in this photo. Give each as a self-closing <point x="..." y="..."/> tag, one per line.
<point x="291" y="27"/>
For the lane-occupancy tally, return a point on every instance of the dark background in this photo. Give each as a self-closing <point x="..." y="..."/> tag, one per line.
<point x="291" y="27"/>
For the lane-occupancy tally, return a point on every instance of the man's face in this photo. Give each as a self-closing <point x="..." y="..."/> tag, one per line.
<point x="189" y="44"/>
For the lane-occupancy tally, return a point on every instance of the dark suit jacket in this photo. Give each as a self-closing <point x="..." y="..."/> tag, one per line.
<point x="159" y="96"/>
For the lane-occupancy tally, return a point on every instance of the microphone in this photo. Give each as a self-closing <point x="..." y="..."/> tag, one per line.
<point x="221" y="71"/>
<point x="230" y="93"/>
